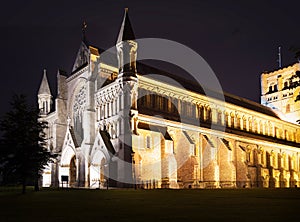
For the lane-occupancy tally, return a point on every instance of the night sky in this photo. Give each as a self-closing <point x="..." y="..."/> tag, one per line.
<point x="239" y="39"/>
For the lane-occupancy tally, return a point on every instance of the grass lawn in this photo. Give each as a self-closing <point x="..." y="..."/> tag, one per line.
<point x="151" y="205"/>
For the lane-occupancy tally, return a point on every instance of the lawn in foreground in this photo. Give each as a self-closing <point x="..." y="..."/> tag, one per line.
<point x="151" y="205"/>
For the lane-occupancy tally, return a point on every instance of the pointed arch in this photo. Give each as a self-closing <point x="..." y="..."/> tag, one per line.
<point x="98" y="169"/>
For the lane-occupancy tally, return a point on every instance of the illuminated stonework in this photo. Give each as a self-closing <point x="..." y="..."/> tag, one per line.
<point x="166" y="134"/>
<point x="280" y="91"/>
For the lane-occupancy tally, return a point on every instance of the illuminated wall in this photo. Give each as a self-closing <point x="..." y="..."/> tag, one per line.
<point x="280" y="91"/>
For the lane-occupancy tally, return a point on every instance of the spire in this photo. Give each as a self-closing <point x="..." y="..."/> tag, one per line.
<point x="279" y="57"/>
<point x="62" y="72"/>
<point x="83" y="29"/>
<point x="44" y="88"/>
<point x="126" y="31"/>
<point x="82" y="57"/>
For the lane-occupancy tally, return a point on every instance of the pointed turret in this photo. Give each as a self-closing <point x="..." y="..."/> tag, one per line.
<point x="127" y="77"/>
<point x="44" y="96"/>
<point x="126" y="31"/>
<point x="127" y="50"/>
<point x="44" y="87"/>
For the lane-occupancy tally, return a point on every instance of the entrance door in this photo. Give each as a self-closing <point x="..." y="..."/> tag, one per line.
<point x="73" y="172"/>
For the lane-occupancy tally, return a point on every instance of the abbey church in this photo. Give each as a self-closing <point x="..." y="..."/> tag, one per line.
<point x="113" y="125"/>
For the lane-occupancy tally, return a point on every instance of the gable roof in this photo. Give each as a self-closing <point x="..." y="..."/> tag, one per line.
<point x="82" y="57"/>
<point x="192" y="85"/>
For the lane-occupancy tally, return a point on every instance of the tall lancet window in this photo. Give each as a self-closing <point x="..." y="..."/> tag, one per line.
<point x="78" y="108"/>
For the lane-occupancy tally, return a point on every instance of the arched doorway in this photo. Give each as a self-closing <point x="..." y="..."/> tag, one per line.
<point x="72" y="173"/>
<point x="98" y="170"/>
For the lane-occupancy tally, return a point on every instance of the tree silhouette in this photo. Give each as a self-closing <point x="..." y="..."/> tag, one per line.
<point x="23" y="151"/>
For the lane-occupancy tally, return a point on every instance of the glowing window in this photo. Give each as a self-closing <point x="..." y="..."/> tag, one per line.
<point x="270" y="88"/>
<point x="288" y="108"/>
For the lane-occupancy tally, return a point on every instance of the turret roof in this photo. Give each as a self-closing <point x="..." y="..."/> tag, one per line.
<point x="44" y="87"/>
<point x="126" y="31"/>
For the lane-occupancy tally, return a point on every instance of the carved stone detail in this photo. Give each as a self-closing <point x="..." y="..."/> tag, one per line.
<point x="80" y="102"/>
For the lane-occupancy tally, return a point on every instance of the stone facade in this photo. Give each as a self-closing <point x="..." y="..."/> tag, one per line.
<point x="114" y="126"/>
<point x="280" y="91"/>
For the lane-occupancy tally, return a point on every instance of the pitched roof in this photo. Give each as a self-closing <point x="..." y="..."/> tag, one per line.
<point x="126" y="31"/>
<point x="72" y="132"/>
<point x="143" y="69"/>
<point x="192" y="85"/>
<point x="82" y="57"/>
<point x="155" y="128"/>
<point x="44" y="87"/>
<point x="106" y="139"/>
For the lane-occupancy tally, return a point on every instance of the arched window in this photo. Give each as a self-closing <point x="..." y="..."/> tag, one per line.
<point x="283" y="160"/>
<point x="260" y="127"/>
<point x="266" y="128"/>
<point x="273" y="88"/>
<point x="292" y="162"/>
<point x="288" y="108"/>
<point x="270" y="130"/>
<point x="201" y="113"/>
<point x="244" y="123"/>
<point x="255" y="126"/>
<point x="197" y="111"/>
<point x="286" y="135"/>
<point x="208" y="114"/>
<point x="250" y="124"/>
<point x="270" y="89"/>
<point x="169" y="106"/>
<point x="226" y="119"/>
<point x="238" y="122"/>
<point x="232" y="120"/>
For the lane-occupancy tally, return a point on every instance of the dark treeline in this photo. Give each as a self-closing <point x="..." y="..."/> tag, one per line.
<point x="23" y="147"/>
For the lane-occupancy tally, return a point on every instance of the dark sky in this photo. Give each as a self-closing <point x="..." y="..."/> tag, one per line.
<point x="239" y="39"/>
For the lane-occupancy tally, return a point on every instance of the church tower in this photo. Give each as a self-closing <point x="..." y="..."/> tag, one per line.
<point x="44" y="96"/>
<point x="280" y="90"/>
<point x="127" y="79"/>
<point x="127" y="50"/>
